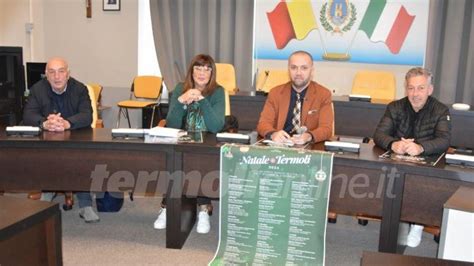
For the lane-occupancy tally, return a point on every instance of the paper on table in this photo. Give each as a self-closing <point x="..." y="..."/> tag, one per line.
<point x="166" y="132"/>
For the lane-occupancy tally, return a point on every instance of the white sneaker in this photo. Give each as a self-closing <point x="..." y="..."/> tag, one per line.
<point x="89" y="215"/>
<point x="414" y="237"/>
<point x="403" y="229"/>
<point x="160" y="222"/>
<point x="204" y="225"/>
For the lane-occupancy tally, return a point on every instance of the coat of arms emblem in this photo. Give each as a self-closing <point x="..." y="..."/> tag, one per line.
<point x="338" y="16"/>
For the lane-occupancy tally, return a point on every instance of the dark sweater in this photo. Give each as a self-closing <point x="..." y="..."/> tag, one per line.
<point x="212" y="106"/>
<point x="74" y="104"/>
<point x="430" y="127"/>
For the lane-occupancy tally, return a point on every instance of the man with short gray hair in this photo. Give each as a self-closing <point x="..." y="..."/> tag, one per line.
<point x="417" y="124"/>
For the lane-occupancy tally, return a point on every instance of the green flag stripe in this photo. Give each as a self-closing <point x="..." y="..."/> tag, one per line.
<point x="371" y="16"/>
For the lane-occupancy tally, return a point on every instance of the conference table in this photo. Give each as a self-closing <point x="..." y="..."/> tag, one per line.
<point x="352" y="118"/>
<point x="91" y="160"/>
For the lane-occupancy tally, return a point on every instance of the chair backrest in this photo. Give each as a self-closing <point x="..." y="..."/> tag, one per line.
<point x="148" y="87"/>
<point x="225" y="76"/>
<point x="333" y="121"/>
<point x="377" y="84"/>
<point x="227" y="103"/>
<point x="97" y="91"/>
<point x="93" y="97"/>
<point x="267" y="79"/>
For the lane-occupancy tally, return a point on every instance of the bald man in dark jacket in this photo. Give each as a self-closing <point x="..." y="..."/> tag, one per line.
<point x="60" y="103"/>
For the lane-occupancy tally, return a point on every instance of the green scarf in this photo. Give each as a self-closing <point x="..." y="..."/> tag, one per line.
<point x="194" y="118"/>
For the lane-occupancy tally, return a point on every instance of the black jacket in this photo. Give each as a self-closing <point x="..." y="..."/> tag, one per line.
<point x="77" y="104"/>
<point x="430" y="127"/>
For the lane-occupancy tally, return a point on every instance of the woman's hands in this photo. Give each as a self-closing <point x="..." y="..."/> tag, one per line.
<point x="192" y="95"/>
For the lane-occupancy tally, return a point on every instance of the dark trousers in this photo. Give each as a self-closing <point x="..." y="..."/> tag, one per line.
<point x="200" y="200"/>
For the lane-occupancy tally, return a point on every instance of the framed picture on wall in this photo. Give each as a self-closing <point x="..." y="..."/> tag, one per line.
<point x="111" y="5"/>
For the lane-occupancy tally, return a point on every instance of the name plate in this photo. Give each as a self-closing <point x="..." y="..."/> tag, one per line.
<point x="128" y="133"/>
<point x="359" y="97"/>
<point x="460" y="159"/>
<point x="341" y="146"/>
<point x="233" y="138"/>
<point x="23" y="131"/>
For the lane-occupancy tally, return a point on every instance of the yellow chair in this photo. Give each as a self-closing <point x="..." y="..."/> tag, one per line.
<point x="225" y="76"/>
<point x="97" y="92"/>
<point x="333" y="121"/>
<point x="377" y="84"/>
<point x="94" y="94"/>
<point x="227" y="103"/>
<point x="145" y="92"/>
<point x="267" y="79"/>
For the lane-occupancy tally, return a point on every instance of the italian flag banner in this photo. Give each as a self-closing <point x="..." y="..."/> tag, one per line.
<point x="388" y="23"/>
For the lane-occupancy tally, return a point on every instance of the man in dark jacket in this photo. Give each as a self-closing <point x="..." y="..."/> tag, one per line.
<point x="417" y="124"/>
<point x="60" y="103"/>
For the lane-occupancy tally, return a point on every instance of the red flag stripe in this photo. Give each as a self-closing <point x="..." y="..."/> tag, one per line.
<point x="399" y="31"/>
<point x="280" y="23"/>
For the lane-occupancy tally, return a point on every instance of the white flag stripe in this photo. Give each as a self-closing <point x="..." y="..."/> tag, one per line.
<point x="385" y="23"/>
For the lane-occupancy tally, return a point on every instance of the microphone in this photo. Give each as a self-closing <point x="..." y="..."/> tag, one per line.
<point x="260" y="90"/>
<point x="267" y="73"/>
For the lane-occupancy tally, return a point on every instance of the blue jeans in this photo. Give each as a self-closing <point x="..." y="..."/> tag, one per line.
<point x="85" y="199"/>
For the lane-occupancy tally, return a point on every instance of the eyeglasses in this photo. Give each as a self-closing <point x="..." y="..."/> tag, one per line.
<point x="202" y="68"/>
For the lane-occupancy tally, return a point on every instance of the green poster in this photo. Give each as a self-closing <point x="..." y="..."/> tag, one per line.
<point x="273" y="206"/>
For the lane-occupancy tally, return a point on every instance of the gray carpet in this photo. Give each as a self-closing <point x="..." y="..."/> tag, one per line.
<point x="128" y="238"/>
